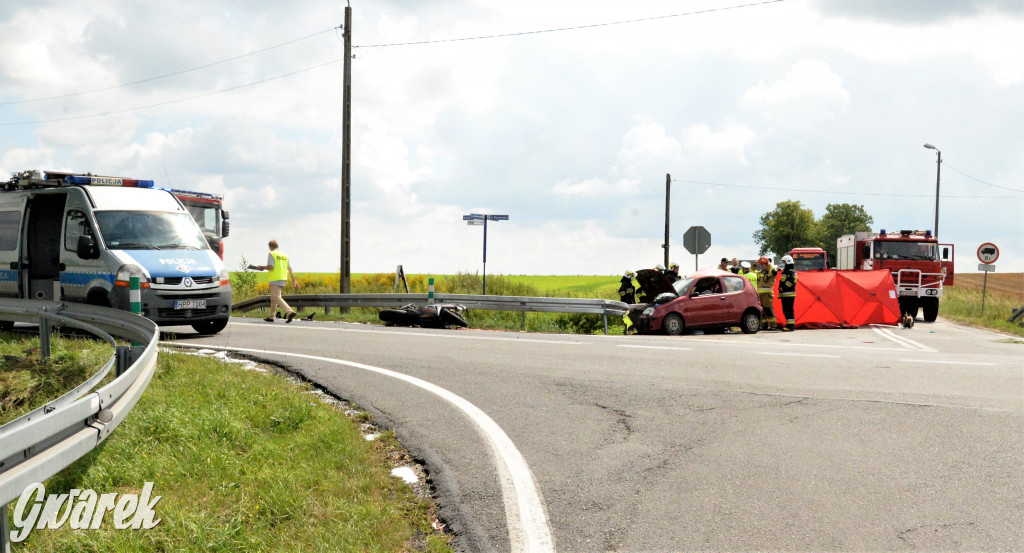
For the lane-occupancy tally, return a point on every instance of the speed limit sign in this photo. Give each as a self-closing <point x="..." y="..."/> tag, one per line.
<point x="988" y="253"/>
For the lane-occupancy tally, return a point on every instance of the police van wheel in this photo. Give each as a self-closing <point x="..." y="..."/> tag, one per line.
<point x="673" y="324"/>
<point x="210" y="327"/>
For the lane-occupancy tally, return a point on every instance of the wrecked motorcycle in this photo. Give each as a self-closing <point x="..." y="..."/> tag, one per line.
<point x="442" y="315"/>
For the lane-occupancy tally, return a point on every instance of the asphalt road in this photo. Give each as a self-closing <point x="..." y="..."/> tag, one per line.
<point x="878" y="439"/>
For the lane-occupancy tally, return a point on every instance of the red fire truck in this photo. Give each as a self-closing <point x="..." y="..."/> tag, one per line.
<point x="208" y="211"/>
<point x="920" y="266"/>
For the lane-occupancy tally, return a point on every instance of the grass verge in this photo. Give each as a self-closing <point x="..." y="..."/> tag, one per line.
<point x="244" y="461"/>
<point x="26" y="382"/>
<point x="1003" y="294"/>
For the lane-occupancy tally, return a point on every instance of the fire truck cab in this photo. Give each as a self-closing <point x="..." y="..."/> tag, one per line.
<point x="920" y="266"/>
<point x="808" y="259"/>
<point x="208" y="211"/>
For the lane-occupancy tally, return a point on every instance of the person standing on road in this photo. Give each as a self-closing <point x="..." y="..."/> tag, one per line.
<point x="787" y="293"/>
<point x="724" y="264"/>
<point x="748" y="273"/>
<point x="627" y="292"/>
<point x="735" y="266"/>
<point x="765" y="282"/>
<point x="280" y="272"/>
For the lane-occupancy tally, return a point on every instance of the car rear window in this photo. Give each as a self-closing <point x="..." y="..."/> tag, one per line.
<point x="734" y="284"/>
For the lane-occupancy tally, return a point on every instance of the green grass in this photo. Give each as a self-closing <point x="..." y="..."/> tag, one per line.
<point x="245" y="461"/>
<point x="963" y="304"/>
<point x="465" y="283"/>
<point x="26" y="382"/>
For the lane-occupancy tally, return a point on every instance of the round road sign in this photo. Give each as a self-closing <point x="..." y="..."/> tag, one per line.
<point x="988" y="253"/>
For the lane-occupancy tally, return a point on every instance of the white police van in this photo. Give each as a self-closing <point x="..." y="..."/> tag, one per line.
<point x="80" y="237"/>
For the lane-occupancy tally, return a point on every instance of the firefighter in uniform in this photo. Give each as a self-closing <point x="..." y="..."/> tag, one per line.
<point x="787" y="293"/>
<point x="627" y="292"/>
<point x="765" y="281"/>
<point x="672" y="274"/>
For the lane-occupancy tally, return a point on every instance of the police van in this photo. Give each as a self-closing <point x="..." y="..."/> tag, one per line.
<point x="81" y="237"/>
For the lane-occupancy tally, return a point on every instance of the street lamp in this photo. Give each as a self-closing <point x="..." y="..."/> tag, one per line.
<point x="481" y="219"/>
<point x="938" y="171"/>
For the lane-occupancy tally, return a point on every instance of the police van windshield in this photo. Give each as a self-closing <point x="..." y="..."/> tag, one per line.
<point x="905" y="250"/>
<point x="149" y="230"/>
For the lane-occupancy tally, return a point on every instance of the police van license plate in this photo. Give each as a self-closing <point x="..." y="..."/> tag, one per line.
<point x="190" y="304"/>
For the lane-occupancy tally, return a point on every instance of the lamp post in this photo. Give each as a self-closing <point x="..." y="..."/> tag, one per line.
<point x="481" y="219"/>
<point x="938" y="171"/>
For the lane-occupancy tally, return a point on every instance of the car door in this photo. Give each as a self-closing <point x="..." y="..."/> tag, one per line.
<point x="736" y="302"/>
<point x="706" y="304"/>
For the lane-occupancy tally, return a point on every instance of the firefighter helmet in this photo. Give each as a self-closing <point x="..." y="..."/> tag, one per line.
<point x="763" y="261"/>
<point x="787" y="259"/>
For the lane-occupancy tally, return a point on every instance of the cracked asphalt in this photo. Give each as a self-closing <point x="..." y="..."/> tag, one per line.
<point x="831" y="440"/>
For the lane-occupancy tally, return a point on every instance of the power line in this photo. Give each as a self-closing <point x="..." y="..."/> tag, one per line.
<point x="576" y="28"/>
<point x="174" y="74"/>
<point x="844" y="192"/>
<point x="981" y="181"/>
<point x="125" y="110"/>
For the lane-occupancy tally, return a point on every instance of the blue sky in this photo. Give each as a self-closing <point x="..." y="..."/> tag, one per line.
<point x="571" y="132"/>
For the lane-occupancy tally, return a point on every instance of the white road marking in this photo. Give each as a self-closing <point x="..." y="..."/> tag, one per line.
<point x="652" y="347"/>
<point x="941" y="362"/>
<point x="799" y="354"/>
<point x="525" y="514"/>
<point x="450" y="335"/>
<point x="901" y="340"/>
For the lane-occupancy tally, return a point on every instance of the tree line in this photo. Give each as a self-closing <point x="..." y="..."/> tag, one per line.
<point x="791" y="225"/>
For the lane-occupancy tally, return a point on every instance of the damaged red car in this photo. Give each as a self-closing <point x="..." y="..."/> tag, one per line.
<point x="707" y="299"/>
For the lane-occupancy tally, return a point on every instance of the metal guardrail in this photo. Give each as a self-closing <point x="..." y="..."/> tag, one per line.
<point x="522" y="304"/>
<point x="43" y="442"/>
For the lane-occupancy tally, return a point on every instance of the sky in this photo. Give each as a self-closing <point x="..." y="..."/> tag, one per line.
<point x="566" y="116"/>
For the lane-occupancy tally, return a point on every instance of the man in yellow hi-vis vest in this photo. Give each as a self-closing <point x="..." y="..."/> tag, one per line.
<point x="280" y="272"/>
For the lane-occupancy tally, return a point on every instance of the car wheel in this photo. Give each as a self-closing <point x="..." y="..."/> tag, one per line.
<point x="750" y="323"/>
<point x="673" y="324"/>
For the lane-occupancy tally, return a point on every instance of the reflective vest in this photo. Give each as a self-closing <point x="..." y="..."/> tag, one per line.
<point x="751" y="276"/>
<point x="280" y="270"/>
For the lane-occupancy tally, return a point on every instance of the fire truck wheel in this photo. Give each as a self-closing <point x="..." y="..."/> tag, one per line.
<point x="673" y="324"/>
<point x="6" y="326"/>
<point x="931" y="310"/>
<point x="908" y="306"/>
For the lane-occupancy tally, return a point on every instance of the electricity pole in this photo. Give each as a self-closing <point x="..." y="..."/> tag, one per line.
<point x="668" y="190"/>
<point x="346" y="160"/>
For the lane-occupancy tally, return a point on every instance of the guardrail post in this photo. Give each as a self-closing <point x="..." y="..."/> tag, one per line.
<point x="5" y="532"/>
<point x="524" y="319"/>
<point x="44" y="337"/>
<point x="605" y="317"/>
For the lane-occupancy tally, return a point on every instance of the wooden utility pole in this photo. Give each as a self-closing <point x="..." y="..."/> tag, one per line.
<point x="668" y="190"/>
<point x="346" y="161"/>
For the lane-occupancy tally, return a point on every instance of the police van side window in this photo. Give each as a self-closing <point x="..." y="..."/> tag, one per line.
<point x="10" y="227"/>
<point x="75" y="225"/>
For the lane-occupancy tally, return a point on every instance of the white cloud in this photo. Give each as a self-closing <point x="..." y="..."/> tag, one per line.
<point x="809" y="90"/>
